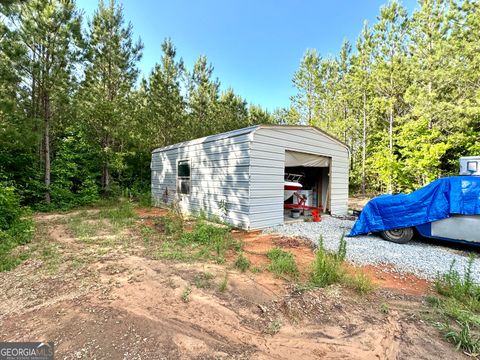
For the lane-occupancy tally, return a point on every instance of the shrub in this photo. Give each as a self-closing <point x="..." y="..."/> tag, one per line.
<point x="15" y="229"/>
<point x="10" y="209"/>
<point x="282" y="262"/>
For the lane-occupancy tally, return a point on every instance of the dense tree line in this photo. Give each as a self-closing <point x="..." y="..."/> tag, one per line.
<point x="406" y="99"/>
<point x="76" y="119"/>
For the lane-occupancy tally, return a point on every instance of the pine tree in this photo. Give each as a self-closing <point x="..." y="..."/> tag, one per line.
<point x="49" y="33"/>
<point x="165" y="105"/>
<point x="106" y="94"/>
<point x="203" y="94"/>
<point x="361" y="86"/>
<point x="232" y="112"/>
<point x="305" y="80"/>
<point x="390" y="76"/>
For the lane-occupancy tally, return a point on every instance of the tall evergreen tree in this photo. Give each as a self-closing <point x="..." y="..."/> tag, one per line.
<point x="203" y="94"/>
<point x="390" y="78"/>
<point x="305" y="80"/>
<point x="362" y="88"/>
<point x="165" y="104"/>
<point x="50" y="34"/>
<point x="106" y="94"/>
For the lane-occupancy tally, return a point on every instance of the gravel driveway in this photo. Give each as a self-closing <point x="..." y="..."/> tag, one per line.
<point x="417" y="257"/>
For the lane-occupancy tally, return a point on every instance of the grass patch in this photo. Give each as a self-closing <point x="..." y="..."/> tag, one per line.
<point x="120" y="216"/>
<point x="19" y="233"/>
<point x="173" y="223"/>
<point x="282" y="263"/>
<point x="222" y="287"/>
<point x="273" y="327"/>
<point x="206" y="241"/>
<point x="384" y="308"/>
<point x="242" y="263"/>
<point x="329" y="268"/>
<point x="459" y="308"/>
<point x="50" y="255"/>
<point x="86" y="226"/>
<point x="203" y="280"/>
<point x="360" y="282"/>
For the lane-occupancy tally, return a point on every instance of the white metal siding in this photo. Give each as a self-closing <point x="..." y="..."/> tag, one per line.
<point x="267" y="170"/>
<point x="219" y="173"/>
<point x="245" y="169"/>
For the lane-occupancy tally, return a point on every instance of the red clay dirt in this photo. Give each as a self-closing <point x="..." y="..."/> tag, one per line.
<point x="112" y="300"/>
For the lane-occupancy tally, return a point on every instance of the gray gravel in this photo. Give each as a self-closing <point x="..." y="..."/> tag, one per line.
<point x="424" y="260"/>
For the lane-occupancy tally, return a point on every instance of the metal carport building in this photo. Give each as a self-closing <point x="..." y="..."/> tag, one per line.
<point x="239" y="175"/>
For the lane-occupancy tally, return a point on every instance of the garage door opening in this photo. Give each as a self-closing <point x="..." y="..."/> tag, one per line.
<point x="313" y="171"/>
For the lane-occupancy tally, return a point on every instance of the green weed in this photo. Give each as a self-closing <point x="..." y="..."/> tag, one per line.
<point x="203" y="280"/>
<point x="222" y="287"/>
<point x="282" y="263"/>
<point x="273" y="327"/>
<point x="384" y="308"/>
<point x="242" y="263"/>
<point x="463" y="338"/>
<point x="120" y="216"/>
<point x="359" y="282"/>
<point x="186" y="294"/>
<point x="326" y="268"/>
<point x="459" y="308"/>
<point x="329" y="268"/>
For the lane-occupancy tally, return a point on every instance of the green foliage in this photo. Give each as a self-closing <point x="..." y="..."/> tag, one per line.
<point x="203" y="280"/>
<point x="211" y="240"/>
<point x="10" y="209"/>
<point x="329" y="268"/>
<point x="463" y="289"/>
<point x="282" y="263"/>
<point x="206" y="241"/>
<point x="15" y="228"/>
<point x="120" y="216"/>
<point x="464" y="339"/>
<point x="392" y="99"/>
<point x="74" y="173"/>
<point x="326" y="268"/>
<point x="459" y="308"/>
<point x="242" y="263"/>
<point x="186" y="294"/>
<point x="173" y="223"/>
<point x="359" y="282"/>
<point x="384" y="308"/>
<point x="222" y="287"/>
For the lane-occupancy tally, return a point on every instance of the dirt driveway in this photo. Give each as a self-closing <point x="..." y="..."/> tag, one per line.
<point x="95" y="290"/>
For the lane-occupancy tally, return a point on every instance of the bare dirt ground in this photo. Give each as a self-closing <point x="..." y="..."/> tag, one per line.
<point x="107" y="298"/>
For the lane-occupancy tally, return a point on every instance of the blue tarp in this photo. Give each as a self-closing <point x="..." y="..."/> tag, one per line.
<point x="436" y="201"/>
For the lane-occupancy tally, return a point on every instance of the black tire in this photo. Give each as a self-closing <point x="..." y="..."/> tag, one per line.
<point x="399" y="236"/>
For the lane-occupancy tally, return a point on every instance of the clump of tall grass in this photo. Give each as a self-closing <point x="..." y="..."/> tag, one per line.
<point x="329" y="268"/>
<point x="282" y="263"/>
<point x="459" y="307"/>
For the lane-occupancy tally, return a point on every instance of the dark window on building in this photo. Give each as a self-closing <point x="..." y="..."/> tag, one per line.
<point x="183" y="177"/>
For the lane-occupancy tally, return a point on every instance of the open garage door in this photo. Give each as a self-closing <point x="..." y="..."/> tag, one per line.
<point x="315" y="170"/>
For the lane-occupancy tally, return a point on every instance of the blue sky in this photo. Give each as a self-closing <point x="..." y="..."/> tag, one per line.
<point x="255" y="46"/>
